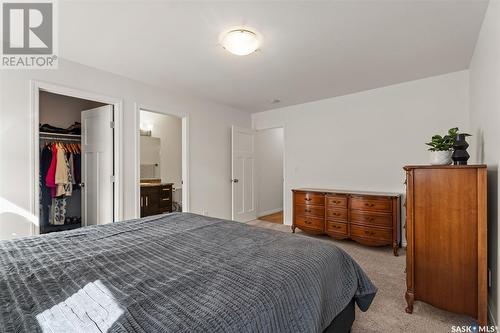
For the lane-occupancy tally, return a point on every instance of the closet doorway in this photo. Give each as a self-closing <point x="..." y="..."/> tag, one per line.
<point x="75" y="161"/>
<point x="162" y="169"/>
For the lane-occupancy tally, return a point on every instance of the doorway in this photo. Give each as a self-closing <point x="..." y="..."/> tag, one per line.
<point x="80" y="130"/>
<point x="257" y="169"/>
<point x="162" y="159"/>
<point x="269" y="150"/>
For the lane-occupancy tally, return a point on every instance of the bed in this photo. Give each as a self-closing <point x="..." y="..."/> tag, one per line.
<point x="179" y="272"/>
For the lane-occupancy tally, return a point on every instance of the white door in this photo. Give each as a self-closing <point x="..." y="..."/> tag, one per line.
<point x="242" y="173"/>
<point x="97" y="166"/>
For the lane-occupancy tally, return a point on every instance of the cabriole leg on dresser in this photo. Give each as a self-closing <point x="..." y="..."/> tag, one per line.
<point x="293" y="229"/>
<point x="395" y="249"/>
<point x="410" y="298"/>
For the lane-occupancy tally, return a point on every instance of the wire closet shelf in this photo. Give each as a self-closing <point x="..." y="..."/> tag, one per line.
<point x="60" y="137"/>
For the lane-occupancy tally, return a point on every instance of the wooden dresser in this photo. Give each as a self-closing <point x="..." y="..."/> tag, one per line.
<point x="156" y="199"/>
<point x="370" y="218"/>
<point x="446" y="236"/>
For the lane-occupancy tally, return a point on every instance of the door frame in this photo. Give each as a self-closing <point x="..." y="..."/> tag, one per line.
<point x="37" y="86"/>
<point x="185" y="154"/>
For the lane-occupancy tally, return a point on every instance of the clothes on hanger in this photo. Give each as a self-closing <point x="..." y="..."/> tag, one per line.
<point x="59" y="165"/>
<point x="50" y="179"/>
<point x="62" y="176"/>
<point x="45" y="195"/>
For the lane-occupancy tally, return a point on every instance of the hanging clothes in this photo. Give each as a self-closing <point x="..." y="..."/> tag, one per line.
<point x="59" y="172"/>
<point x="61" y="175"/>
<point x="45" y="195"/>
<point x="71" y="161"/>
<point x="58" y="211"/>
<point x="50" y="178"/>
<point x="77" y="167"/>
<point x="68" y="187"/>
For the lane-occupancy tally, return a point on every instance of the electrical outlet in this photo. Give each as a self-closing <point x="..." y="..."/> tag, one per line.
<point x="489" y="278"/>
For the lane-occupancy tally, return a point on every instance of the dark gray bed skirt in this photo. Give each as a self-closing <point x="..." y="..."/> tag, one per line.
<point x="342" y="323"/>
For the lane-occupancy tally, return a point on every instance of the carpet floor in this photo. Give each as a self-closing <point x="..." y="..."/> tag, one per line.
<point x="387" y="312"/>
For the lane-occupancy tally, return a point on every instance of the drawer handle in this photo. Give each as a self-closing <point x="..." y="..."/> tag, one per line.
<point x="308" y="199"/>
<point x="369" y="205"/>
<point x="307" y="222"/>
<point x="336" y="214"/>
<point x="165" y="199"/>
<point x="371" y="219"/>
<point x="337" y="227"/>
<point x="336" y="202"/>
<point x="371" y="233"/>
<point x="307" y="210"/>
<point x="164" y="189"/>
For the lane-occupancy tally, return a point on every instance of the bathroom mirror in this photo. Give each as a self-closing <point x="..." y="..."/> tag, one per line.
<point x="150" y="157"/>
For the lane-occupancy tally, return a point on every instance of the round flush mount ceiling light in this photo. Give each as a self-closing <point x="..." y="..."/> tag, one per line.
<point x="240" y="41"/>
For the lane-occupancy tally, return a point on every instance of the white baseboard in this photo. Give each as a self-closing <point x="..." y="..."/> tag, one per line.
<point x="269" y="212"/>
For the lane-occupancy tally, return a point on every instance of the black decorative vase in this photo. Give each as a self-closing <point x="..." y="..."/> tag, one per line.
<point x="460" y="155"/>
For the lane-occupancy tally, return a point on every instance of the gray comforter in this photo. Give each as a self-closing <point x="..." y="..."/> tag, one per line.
<point x="176" y="273"/>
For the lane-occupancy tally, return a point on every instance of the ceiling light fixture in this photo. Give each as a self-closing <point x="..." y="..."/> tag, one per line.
<point x="241" y="42"/>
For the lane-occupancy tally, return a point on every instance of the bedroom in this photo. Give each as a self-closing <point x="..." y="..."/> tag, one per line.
<point x="358" y="87"/>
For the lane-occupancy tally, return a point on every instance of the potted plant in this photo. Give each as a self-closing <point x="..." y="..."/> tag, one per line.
<point x="441" y="147"/>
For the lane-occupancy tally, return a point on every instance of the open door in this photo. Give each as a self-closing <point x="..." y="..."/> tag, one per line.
<point x="242" y="174"/>
<point x="97" y="166"/>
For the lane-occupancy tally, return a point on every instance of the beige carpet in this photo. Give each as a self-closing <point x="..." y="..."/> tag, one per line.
<point x="387" y="313"/>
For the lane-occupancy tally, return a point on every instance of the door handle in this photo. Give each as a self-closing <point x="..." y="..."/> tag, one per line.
<point x="147" y="201"/>
<point x="142" y="201"/>
<point x="235" y="180"/>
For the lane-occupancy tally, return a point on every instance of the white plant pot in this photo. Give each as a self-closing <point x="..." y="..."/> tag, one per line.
<point x="440" y="157"/>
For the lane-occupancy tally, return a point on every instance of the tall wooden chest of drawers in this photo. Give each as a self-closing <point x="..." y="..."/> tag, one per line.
<point x="370" y="218"/>
<point x="446" y="235"/>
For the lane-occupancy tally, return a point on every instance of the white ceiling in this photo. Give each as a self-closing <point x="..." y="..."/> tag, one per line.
<point x="311" y="49"/>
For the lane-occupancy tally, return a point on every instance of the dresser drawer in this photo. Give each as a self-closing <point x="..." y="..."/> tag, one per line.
<point x="371" y="218"/>
<point x="336" y="214"/>
<point x="309" y="198"/>
<point x="309" y="210"/>
<point x="363" y="203"/>
<point x="371" y="232"/>
<point x="165" y="202"/>
<point x="309" y="222"/>
<point x="336" y="228"/>
<point x="336" y="201"/>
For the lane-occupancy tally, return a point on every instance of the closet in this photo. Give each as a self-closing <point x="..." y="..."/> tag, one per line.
<point x="60" y="181"/>
<point x="63" y="198"/>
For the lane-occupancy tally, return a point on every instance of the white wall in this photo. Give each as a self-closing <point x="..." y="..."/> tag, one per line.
<point x="63" y="111"/>
<point x="362" y="141"/>
<point x="169" y="130"/>
<point x="209" y="138"/>
<point x="269" y="170"/>
<point x="485" y="123"/>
